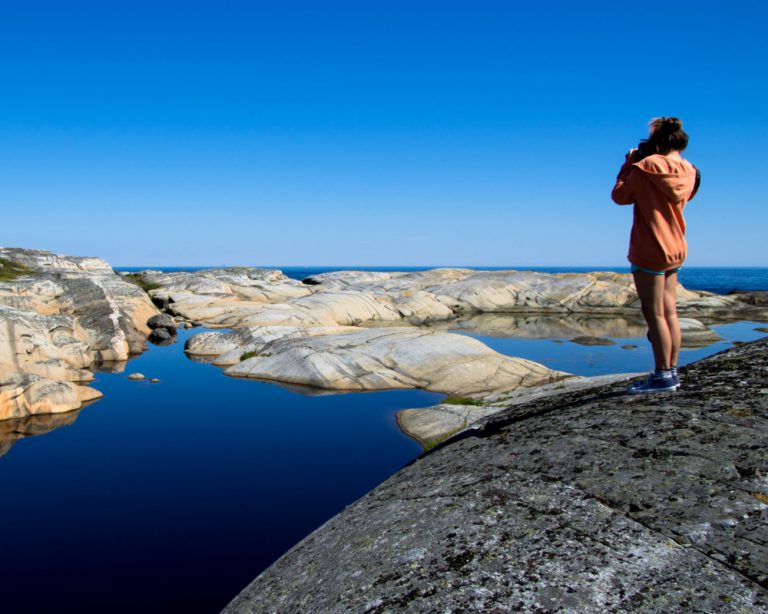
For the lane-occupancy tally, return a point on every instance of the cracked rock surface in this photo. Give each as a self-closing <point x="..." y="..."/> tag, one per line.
<point x="63" y="315"/>
<point x="590" y="501"/>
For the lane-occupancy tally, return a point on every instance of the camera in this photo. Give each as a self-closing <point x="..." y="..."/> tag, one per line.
<point x="644" y="149"/>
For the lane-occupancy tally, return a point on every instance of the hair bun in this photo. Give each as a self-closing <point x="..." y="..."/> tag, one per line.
<point x="665" y="125"/>
<point x="667" y="134"/>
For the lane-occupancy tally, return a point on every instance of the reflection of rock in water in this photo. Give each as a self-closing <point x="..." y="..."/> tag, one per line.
<point x="549" y="327"/>
<point x="589" y="340"/>
<point x="13" y="430"/>
<point x="311" y="391"/>
<point x="579" y="326"/>
<point x="109" y="366"/>
<point x="696" y="334"/>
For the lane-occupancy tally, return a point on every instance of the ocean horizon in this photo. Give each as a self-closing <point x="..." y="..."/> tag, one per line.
<point x="720" y="280"/>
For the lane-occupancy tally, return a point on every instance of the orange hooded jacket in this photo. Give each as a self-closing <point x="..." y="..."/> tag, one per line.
<point x="659" y="187"/>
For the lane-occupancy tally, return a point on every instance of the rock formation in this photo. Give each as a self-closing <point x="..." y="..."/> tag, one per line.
<point x="62" y="315"/>
<point x="590" y="501"/>
<point x="380" y="359"/>
<point x="289" y="331"/>
<point x="263" y="297"/>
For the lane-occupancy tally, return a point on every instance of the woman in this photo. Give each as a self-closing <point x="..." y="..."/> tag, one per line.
<point x="659" y="182"/>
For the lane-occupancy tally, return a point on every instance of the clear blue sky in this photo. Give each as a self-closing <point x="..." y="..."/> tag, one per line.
<point x="372" y="132"/>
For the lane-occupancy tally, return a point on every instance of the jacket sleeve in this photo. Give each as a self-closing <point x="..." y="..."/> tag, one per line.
<point x="623" y="192"/>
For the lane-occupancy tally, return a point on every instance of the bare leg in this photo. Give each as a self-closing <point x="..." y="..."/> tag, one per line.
<point x="670" y="315"/>
<point x="650" y="290"/>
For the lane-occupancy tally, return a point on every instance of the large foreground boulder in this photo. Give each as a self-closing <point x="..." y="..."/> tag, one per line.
<point x="592" y="501"/>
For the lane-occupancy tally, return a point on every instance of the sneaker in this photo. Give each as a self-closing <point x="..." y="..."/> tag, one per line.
<point x="675" y="377"/>
<point x="656" y="382"/>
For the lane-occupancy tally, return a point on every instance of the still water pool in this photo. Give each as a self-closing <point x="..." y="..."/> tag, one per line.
<point x="173" y="496"/>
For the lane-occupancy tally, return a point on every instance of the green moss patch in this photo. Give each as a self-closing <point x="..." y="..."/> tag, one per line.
<point x="142" y="283"/>
<point x="462" y="401"/>
<point x="431" y="443"/>
<point x="12" y="270"/>
<point x="247" y="355"/>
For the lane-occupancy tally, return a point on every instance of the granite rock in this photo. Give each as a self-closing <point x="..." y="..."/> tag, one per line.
<point x="68" y="314"/>
<point x="259" y="297"/>
<point x="590" y="501"/>
<point x="380" y="359"/>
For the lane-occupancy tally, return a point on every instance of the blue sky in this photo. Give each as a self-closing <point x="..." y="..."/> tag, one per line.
<point x="372" y="132"/>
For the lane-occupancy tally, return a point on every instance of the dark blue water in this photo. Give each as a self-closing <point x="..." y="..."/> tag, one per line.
<point x="564" y="355"/>
<point x="721" y="280"/>
<point x="173" y="496"/>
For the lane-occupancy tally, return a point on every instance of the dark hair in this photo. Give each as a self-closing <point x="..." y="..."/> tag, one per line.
<point x="667" y="134"/>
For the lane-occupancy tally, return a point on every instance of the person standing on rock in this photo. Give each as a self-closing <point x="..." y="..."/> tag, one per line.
<point x="658" y="182"/>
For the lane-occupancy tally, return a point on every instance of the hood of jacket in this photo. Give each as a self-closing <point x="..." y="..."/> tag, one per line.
<point x="675" y="178"/>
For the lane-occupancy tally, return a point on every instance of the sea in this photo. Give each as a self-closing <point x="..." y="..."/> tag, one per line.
<point x="173" y="496"/>
<point x="721" y="280"/>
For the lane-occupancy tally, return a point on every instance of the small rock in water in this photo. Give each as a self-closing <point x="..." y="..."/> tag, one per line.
<point x="762" y="329"/>
<point x="629" y="346"/>
<point x="160" y="334"/>
<point x="587" y="340"/>
<point x="136" y="376"/>
<point x="162" y="320"/>
<point x="154" y="380"/>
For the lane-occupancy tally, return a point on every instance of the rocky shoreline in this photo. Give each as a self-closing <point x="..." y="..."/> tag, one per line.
<point x="61" y="317"/>
<point x="532" y="451"/>
<point x="589" y="501"/>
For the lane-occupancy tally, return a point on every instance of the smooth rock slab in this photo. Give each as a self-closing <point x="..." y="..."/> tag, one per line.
<point x="254" y="297"/>
<point x="381" y="359"/>
<point x="432" y="425"/>
<point x="592" y="501"/>
<point x="23" y="395"/>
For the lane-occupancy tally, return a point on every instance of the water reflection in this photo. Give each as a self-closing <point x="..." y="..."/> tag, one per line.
<point x="13" y="430"/>
<point x="565" y="326"/>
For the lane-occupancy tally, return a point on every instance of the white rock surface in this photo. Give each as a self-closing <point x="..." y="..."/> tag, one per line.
<point x="69" y="313"/>
<point x="259" y="297"/>
<point x="431" y="425"/>
<point x="380" y="359"/>
<point x="696" y="334"/>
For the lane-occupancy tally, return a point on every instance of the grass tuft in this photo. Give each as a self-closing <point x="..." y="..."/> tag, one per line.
<point x="12" y="270"/>
<point x="247" y="355"/>
<point x="462" y="401"/>
<point x="139" y="280"/>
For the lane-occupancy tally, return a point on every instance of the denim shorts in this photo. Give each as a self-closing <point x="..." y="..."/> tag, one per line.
<point x="636" y="268"/>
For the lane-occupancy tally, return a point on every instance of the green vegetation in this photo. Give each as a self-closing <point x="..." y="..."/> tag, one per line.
<point x="431" y="443"/>
<point x="139" y="280"/>
<point x="11" y="270"/>
<point x="247" y="355"/>
<point x="462" y="401"/>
